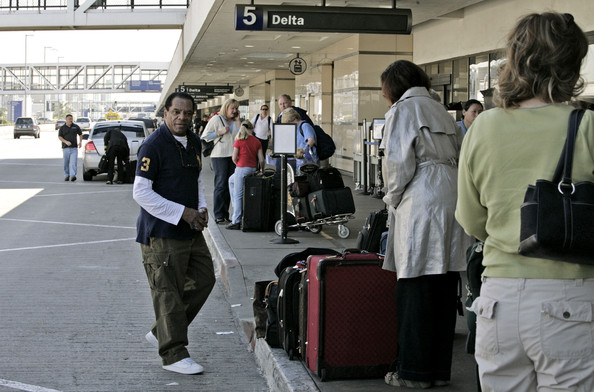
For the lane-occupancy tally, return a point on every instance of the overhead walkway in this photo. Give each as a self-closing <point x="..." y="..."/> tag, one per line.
<point x="92" y="14"/>
<point x="82" y="78"/>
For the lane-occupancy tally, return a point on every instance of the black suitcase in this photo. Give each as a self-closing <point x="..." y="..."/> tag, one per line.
<point x="370" y="236"/>
<point x="330" y="202"/>
<point x="302" y="337"/>
<point x="288" y="311"/>
<point x="302" y="210"/>
<point x="271" y="298"/>
<point x="258" y="205"/>
<point x="325" y="178"/>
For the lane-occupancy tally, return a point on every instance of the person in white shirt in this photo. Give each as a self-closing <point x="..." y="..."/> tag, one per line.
<point x="263" y="126"/>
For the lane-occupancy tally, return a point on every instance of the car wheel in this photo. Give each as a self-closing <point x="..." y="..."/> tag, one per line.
<point x="17" y="137"/>
<point x="87" y="176"/>
<point x="37" y="135"/>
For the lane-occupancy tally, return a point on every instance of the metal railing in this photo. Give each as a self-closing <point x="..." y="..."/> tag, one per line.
<point x="39" y="5"/>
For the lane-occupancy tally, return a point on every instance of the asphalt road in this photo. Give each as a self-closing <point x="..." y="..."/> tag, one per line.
<point x="74" y="301"/>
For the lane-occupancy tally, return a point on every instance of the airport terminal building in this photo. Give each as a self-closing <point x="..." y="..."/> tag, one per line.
<point x="459" y="44"/>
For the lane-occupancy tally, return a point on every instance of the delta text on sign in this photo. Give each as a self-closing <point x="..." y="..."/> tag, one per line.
<point x="323" y="19"/>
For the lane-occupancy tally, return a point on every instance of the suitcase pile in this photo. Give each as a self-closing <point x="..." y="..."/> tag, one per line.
<point x="321" y="194"/>
<point x="337" y="312"/>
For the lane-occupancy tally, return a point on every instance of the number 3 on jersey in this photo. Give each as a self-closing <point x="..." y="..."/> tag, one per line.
<point x="145" y="164"/>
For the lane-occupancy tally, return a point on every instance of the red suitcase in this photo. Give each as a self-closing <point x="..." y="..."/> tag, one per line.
<point x="351" y="316"/>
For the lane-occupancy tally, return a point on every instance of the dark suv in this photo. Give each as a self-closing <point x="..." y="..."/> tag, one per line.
<point x="26" y="126"/>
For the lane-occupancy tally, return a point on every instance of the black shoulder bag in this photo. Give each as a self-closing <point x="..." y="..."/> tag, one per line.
<point x="557" y="215"/>
<point x="208" y="146"/>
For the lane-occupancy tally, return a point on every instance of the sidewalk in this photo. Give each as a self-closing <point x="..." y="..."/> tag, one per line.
<point x="242" y="258"/>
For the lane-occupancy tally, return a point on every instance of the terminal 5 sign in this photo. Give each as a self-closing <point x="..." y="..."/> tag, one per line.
<point x="323" y="19"/>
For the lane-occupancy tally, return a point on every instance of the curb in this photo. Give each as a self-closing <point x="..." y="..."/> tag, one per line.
<point x="281" y="374"/>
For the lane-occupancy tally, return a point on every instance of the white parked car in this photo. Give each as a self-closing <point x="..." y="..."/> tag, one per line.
<point x="135" y="132"/>
<point x="84" y="123"/>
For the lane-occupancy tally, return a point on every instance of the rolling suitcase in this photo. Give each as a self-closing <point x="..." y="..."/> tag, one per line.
<point x="288" y="310"/>
<point x="351" y="316"/>
<point x="370" y="236"/>
<point x="330" y="202"/>
<point x="257" y="203"/>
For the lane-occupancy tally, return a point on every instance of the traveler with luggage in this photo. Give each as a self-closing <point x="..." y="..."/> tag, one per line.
<point x="247" y="154"/>
<point x="116" y="146"/>
<point x="425" y="245"/>
<point x="306" y="138"/>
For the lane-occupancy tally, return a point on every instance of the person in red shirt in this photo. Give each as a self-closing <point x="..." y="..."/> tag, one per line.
<point x="247" y="153"/>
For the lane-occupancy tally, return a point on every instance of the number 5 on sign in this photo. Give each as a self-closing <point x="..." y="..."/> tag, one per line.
<point x="248" y="17"/>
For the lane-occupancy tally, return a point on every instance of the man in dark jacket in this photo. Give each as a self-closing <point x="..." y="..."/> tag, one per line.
<point x="116" y="146"/>
<point x="284" y="102"/>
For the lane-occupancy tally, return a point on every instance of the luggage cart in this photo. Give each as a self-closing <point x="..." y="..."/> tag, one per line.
<point x="315" y="225"/>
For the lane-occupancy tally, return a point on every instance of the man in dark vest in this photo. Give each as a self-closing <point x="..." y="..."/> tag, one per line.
<point x="173" y="214"/>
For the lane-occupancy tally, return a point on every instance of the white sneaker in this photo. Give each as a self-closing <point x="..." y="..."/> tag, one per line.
<point x="185" y="366"/>
<point x="152" y="339"/>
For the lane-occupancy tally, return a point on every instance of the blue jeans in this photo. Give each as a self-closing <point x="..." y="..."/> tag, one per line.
<point x="236" y="189"/>
<point x="70" y="155"/>
<point x="223" y="169"/>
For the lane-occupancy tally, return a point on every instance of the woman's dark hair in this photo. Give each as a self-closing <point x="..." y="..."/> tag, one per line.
<point x="174" y="95"/>
<point x="400" y="76"/>
<point x="471" y="102"/>
<point x="544" y="57"/>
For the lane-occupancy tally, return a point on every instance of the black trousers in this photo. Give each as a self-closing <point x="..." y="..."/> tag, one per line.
<point x="426" y="309"/>
<point x="123" y="156"/>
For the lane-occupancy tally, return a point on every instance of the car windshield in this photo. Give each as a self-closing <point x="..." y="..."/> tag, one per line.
<point x="128" y="131"/>
<point x="23" y="121"/>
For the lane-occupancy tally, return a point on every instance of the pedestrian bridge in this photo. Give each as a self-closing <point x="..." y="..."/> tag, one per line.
<point x="82" y="78"/>
<point x="92" y="14"/>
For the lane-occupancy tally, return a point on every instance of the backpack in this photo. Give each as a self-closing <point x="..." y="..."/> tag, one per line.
<point x="324" y="143"/>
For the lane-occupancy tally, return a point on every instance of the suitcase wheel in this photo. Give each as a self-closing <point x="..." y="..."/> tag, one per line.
<point x="315" y="229"/>
<point x="278" y="227"/>
<point x="343" y="231"/>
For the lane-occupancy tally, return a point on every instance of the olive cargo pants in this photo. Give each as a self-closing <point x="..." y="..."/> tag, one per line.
<point x="181" y="276"/>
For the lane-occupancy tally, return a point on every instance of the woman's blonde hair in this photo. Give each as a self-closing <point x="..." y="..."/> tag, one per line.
<point x="544" y="56"/>
<point x="226" y="104"/>
<point x="244" y="131"/>
<point x="289" y="115"/>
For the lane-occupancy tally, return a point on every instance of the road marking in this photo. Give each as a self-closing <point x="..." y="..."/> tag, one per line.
<point x="64" y="245"/>
<point x="81" y="193"/>
<point x="25" y="387"/>
<point x="67" y="223"/>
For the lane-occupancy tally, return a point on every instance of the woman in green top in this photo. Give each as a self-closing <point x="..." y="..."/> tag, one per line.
<point x="534" y="324"/>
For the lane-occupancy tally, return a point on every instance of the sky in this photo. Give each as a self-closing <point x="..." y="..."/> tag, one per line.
<point x="88" y="46"/>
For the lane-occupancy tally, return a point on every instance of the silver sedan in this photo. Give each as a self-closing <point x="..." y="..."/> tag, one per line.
<point x="135" y="132"/>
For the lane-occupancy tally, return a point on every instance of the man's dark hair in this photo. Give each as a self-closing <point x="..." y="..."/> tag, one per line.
<point x="174" y="95"/>
<point x="68" y="115"/>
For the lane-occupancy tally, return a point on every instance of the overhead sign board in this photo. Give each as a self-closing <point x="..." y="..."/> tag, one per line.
<point x="323" y="19"/>
<point x="203" y="93"/>
<point x="144" y="85"/>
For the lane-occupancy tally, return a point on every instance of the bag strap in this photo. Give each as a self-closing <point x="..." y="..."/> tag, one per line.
<point x="564" y="168"/>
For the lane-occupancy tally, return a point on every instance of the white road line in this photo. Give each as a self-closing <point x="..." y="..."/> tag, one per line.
<point x="67" y="223"/>
<point x="81" y="193"/>
<point x="25" y="387"/>
<point x="64" y="245"/>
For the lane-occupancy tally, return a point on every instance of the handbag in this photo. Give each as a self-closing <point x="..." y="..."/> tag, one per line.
<point x="557" y="215"/>
<point x="102" y="166"/>
<point x="208" y="145"/>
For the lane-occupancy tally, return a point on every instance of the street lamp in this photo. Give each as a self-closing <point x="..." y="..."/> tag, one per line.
<point x="26" y="73"/>
<point x="45" y="48"/>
